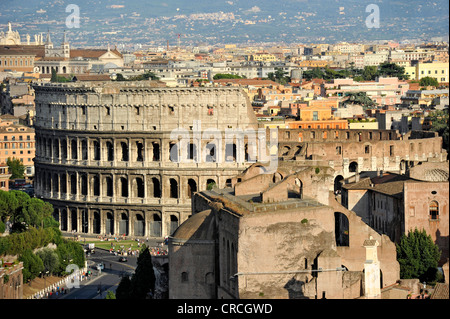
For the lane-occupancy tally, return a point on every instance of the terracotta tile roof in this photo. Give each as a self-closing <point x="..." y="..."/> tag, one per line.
<point x="91" y="53"/>
<point x="389" y="184"/>
<point x="37" y="50"/>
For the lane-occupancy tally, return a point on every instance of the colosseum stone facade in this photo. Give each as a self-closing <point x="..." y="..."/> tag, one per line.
<point x="103" y="152"/>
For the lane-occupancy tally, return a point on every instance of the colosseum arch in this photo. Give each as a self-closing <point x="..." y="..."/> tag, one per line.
<point x="139" y="224"/>
<point x="138" y="187"/>
<point x="64" y="219"/>
<point x="155" y="189"/>
<point x="191" y="187"/>
<point x="353" y="167"/>
<point x="109" y="222"/>
<point x="123" y="223"/>
<point x="96" y="222"/>
<point x="155" y="225"/>
<point x="341" y="229"/>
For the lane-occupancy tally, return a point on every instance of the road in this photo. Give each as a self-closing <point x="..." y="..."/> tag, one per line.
<point x="106" y="279"/>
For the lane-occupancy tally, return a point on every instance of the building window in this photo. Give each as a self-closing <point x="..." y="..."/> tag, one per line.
<point x="184" y="277"/>
<point x="434" y="210"/>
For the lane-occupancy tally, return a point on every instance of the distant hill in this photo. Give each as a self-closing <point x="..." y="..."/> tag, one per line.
<point x="232" y="21"/>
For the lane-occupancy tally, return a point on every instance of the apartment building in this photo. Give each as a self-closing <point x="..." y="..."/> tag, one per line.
<point x="437" y="70"/>
<point x="384" y="91"/>
<point x="17" y="141"/>
<point x="4" y="177"/>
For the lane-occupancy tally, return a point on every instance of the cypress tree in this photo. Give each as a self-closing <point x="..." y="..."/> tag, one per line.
<point x="143" y="280"/>
<point x="418" y="256"/>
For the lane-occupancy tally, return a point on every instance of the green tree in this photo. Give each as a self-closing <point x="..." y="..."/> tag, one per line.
<point x="8" y="204"/>
<point x="120" y="77"/>
<point x="32" y="265"/>
<point x="54" y="77"/>
<point x="387" y="69"/>
<point x="143" y="279"/>
<point x="418" y="256"/>
<point x="69" y="252"/>
<point x="219" y="76"/>
<point x="50" y="259"/>
<point x="315" y="73"/>
<point x="428" y="81"/>
<point x="369" y="73"/>
<point x="360" y="98"/>
<point x="110" y="295"/>
<point x="16" y="168"/>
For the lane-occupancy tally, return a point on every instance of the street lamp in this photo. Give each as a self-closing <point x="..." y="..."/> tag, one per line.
<point x="45" y="279"/>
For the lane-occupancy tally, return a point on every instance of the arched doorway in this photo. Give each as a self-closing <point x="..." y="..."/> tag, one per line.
<point x="338" y="184"/>
<point x="123" y="224"/>
<point x="109" y="225"/>
<point x="173" y="224"/>
<point x="74" y="219"/>
<point x="139" y="225"/>
<point x="155" y="226"/>
<point x="341" y="229"/>
<point x="192" y="187"/>
<point x="96" y="223"/>
<point x="64" y="220"/>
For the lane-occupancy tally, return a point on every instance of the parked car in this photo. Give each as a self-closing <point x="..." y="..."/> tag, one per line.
<point x="100" y="266"/>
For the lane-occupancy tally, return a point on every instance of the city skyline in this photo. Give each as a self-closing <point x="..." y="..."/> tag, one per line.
<point x="125" y="23"/>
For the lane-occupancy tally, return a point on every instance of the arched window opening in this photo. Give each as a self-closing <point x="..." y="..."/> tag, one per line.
<point x="109" y="187"/>
<point x="96" y="145"/>
<point x="74" y="148"/>
<point x="123" y="187"/>
<point x="84" y="190"/>
<point x="84" y="150"/>
<point x="73" y="184"/>
<point x="96" y="188"/>
<point x="124" y="147"/>
<point x="192" y="187"/>
<point x="156" y="187"/>
<point x="434" y="210"/>
<point x="110" y="149"/>
<point x="353" y="167"/>
<point x="140" y="152"/>
<point x="155" y="151"/>
<point x="173" y="188"/>
<point x="210" y="153"/>
<point x="139" y="187"/>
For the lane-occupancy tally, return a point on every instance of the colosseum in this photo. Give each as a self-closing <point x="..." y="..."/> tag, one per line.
<point x="104" y="153"/>
<point x="108" y="160"/>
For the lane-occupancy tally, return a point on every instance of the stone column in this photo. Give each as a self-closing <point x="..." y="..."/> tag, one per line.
<point x="372" y="283"/>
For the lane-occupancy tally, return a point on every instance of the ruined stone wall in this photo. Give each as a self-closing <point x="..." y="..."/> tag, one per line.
<point x="277" y="242"/>
<point x="352" y="151"/>
<point x="103" y="152"/>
